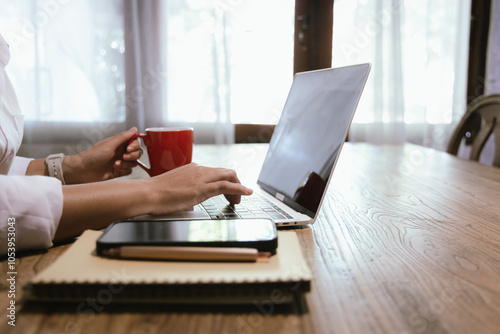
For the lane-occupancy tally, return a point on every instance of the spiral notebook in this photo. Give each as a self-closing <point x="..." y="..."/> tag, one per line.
<point x="80" y="273"/>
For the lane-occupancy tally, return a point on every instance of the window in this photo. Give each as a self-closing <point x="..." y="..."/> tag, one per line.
<point x="66" y="59"/>
<point x="228" y="61"/>
<point x="418" y="51"/>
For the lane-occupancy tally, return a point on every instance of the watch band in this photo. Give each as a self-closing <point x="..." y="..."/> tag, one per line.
<point x="54" y="165"/>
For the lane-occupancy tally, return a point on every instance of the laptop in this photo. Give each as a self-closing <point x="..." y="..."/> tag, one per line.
<point x="302" y="153"/>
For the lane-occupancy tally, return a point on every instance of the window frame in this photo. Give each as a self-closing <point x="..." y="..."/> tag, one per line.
<point x="313" y="35"/>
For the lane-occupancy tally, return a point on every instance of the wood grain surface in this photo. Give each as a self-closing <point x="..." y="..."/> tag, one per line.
<point x="407" y="241"/>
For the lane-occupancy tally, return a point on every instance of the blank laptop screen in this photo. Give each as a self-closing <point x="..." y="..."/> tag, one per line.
<point x="312" y="128"/>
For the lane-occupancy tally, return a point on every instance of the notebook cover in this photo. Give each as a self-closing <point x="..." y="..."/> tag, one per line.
<point x="80" y="273"/>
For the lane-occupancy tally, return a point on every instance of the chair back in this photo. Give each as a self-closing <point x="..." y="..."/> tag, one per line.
<point x="481" y="120"/>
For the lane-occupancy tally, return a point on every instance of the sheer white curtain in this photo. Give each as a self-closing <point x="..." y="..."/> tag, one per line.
<point x="210" y="63"/>
<point x="145" y="76"/>
<point x="226" y="62"/>
<point x="418" y="49"/>
<point x="492" y="85"/>
<point x="169" y="87"/>
<point x="87" y="69"/>
<point x="67" y="69"/>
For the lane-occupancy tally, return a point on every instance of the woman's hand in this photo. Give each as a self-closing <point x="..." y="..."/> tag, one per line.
<point x="96" y="205"/>
<point x="186" y="186"/>
<point x="110" y="158"/>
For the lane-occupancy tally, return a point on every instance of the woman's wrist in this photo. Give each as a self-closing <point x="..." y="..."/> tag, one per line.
<point x="96" y="205"/>
<point x="37" y="167"/>
<point x="73" y="169"/>
<point x="145" y="199"/>
<point x="150" y="198"/>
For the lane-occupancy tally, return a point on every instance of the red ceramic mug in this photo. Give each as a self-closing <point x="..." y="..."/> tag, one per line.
<point x="168" y="148"/>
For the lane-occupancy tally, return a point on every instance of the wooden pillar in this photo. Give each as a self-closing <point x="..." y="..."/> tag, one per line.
<point x="478" y="45"/>
<point x="313" y="35"/>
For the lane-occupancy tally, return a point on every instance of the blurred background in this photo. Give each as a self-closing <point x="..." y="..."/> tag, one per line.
<point x="84" y="70"/>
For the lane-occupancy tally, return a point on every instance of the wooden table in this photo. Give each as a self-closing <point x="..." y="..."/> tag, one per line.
<point x="408" y="241"/>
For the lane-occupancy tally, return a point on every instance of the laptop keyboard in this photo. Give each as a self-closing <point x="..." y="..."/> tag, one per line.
<point x="255" y="206"/>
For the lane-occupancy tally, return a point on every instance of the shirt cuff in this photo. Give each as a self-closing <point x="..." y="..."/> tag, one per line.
<point x="36" y="214"/>
<point x="19" y="166"/>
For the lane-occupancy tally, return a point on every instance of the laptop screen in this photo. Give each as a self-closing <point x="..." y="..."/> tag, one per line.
<point x="308" y="137"/>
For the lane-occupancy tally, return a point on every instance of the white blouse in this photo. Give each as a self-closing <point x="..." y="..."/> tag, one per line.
<point x="30" y="205"/>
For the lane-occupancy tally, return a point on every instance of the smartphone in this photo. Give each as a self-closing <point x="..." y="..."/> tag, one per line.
<point x="260" y="234"/>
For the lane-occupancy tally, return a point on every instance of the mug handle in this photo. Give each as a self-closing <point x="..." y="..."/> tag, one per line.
<point x="140" y="163"/>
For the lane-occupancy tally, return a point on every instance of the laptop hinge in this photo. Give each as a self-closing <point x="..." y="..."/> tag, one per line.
<point x="279" y="196"/>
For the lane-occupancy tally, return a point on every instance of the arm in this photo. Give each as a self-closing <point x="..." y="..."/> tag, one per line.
<point x="110" y="158"/>
<point x="88" y="204"/>
<point x="96" y="205"/>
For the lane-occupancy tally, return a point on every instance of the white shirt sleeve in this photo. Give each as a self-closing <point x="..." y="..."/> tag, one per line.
<point x="30" y="205"/>
<point x="19" y="166"/>
<point x="36" y="213"/>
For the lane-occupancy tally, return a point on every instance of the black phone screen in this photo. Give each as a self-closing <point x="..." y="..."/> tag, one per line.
<point x="254" y="233"/>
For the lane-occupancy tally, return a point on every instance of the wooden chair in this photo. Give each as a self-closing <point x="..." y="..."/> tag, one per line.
<point x="481" y="119"/>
